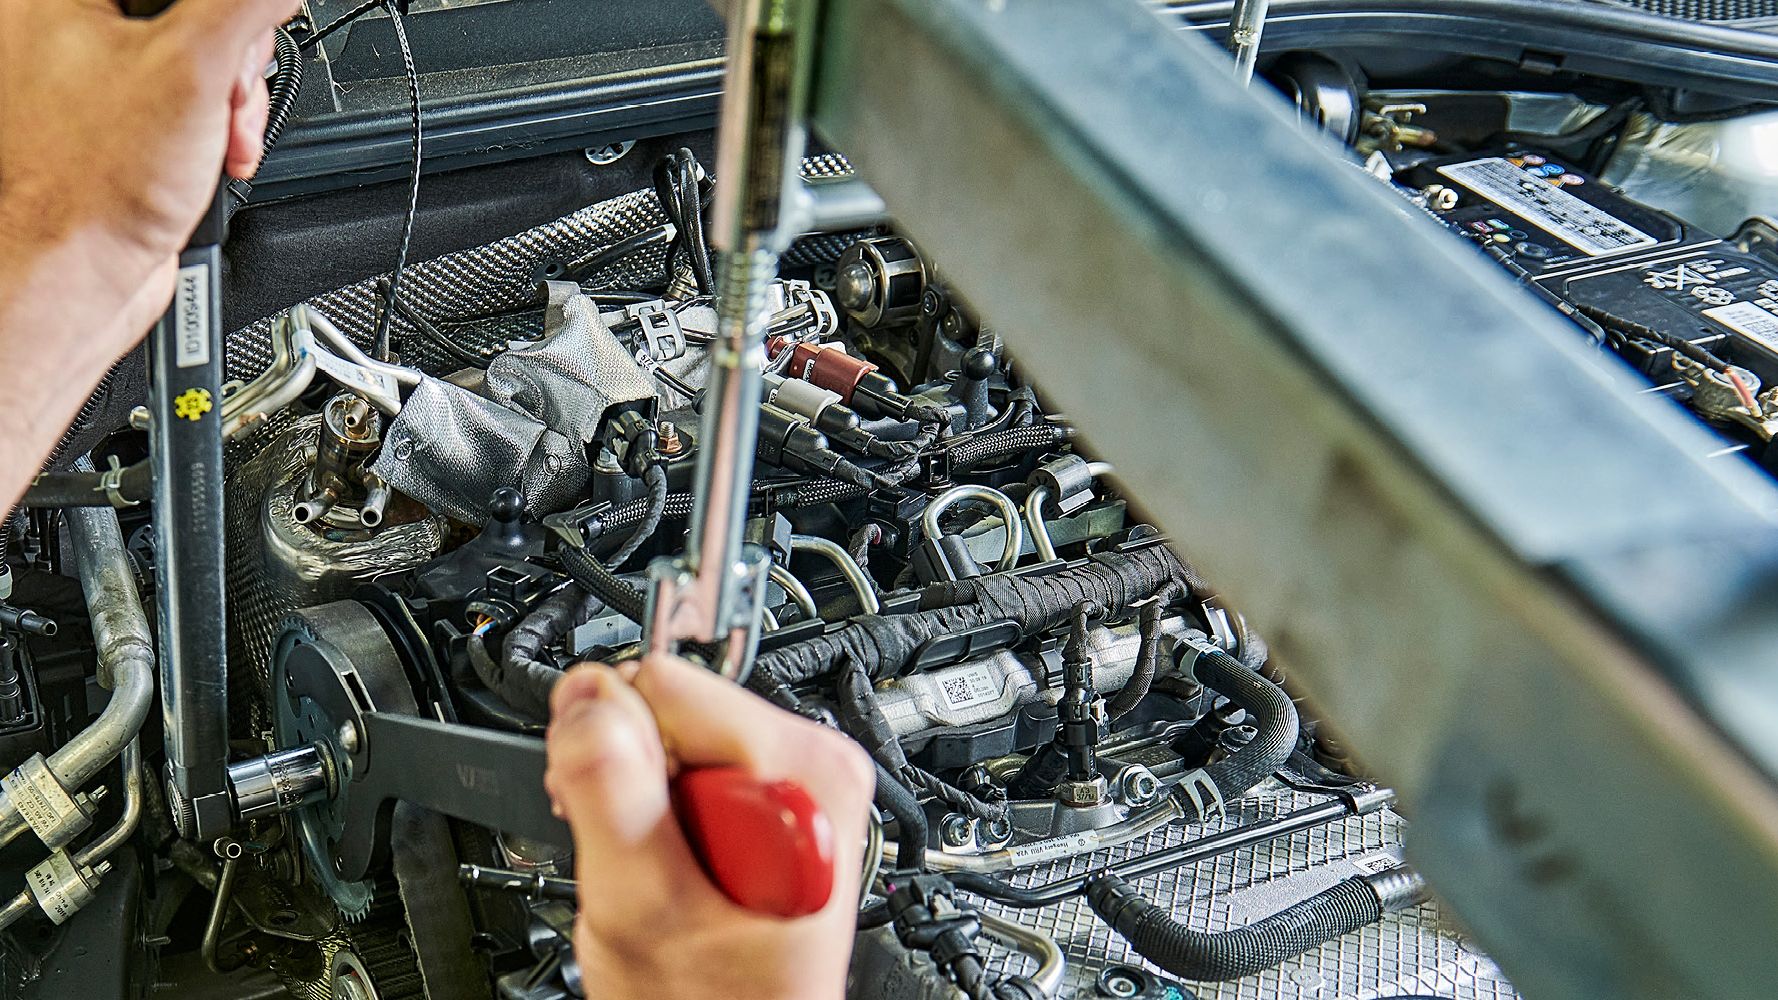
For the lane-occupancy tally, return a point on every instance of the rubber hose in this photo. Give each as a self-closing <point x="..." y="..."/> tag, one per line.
<point x="1212" y="957"/>
<point x="1274" y="719"/>
<point x="83" y="489"/>
<point x="899" y="802"/>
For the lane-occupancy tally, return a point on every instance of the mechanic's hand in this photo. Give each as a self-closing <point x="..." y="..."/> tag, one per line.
<point x="651" y="923"/>
<point x="117" y="130"/>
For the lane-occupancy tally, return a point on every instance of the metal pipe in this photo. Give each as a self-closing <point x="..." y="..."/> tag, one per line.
<point x="289" y="375"/>
<point x="1361" y="803"/>
<point x="225" y="891"/>
<point x="125" y="828"/>
<point x="799" y="594"/>
<point x="376" y="382"/>
<point x="96" y="852"/>
<point x="1034" y="501"/>
<point x="1051" y="965"/>
<point x="1247" y="24"/>
<point x="1040" y="530"/>
<point x="125" y="655"/>
<point x="1055" y="848"/>
<point x="848" y="567"/>
<point x="1009" y="513"/>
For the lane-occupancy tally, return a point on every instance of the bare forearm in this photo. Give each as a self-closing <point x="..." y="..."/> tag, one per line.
<point x="63" y="322"/>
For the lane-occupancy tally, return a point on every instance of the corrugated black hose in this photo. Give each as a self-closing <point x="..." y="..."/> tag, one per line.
<point x="1215" y="956"/>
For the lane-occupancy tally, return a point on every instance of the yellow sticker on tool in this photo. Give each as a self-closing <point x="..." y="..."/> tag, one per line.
<point x="192" y="404"/>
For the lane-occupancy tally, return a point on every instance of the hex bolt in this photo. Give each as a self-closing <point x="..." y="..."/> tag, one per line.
<point x="348" y="736"/>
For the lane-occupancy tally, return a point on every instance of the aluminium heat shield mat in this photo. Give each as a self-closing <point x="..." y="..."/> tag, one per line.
<point x="1414" y="952"/>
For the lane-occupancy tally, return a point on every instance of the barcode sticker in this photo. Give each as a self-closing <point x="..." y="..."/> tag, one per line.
<point x="1580" y="224"/>
<point x="969" y="685"/>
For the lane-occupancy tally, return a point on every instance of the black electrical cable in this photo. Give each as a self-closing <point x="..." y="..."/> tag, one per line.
<point x="677" y="185"/>
<point x="1629" y="327"/>
<point x="386" y="317"/>
<point x="427" y="329"/>
<point x="585" y="268"/>
<point x="525" y="685"/>
<point x="1148" y="655"/>
<point x="339" y="22"/>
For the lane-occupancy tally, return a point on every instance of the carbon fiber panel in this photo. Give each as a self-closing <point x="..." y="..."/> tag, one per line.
<point x="1412" y="952"/>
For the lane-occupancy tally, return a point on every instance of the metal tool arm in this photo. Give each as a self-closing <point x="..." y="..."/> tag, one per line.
<point x="1513" y="584"/>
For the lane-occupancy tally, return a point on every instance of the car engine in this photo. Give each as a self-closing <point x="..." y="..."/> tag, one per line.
<point x="1092" y="778"/>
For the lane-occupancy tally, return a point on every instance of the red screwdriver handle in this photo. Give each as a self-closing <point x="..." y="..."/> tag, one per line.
<point x="765" y="844"/>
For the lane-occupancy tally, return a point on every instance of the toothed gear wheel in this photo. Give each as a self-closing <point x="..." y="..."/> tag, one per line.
<point x="348" y="639"/>
<point x="374" y="957"/>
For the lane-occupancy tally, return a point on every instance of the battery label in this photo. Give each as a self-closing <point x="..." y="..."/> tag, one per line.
<point x="1749" y="320"/>
<point x="1581" y="225"/>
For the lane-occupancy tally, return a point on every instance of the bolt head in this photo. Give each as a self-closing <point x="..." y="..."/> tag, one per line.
<point x="348" y="736"/>
<point x="956" y="830"/>
<point x="1121" y="986"/>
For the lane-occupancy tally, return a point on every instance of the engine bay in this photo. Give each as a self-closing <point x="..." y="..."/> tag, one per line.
<point x="1093" y="778"/>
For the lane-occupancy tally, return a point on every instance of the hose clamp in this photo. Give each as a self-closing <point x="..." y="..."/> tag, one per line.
<point x="111" y="484"/>
<point x="1198" y="790"/>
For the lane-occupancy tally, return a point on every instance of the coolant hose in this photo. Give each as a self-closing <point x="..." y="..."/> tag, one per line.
<point x="1212" y="957"/>
<point x="1274" y="720"/>
<point x="899" y="802"/>
<point x="135" y="484"/>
